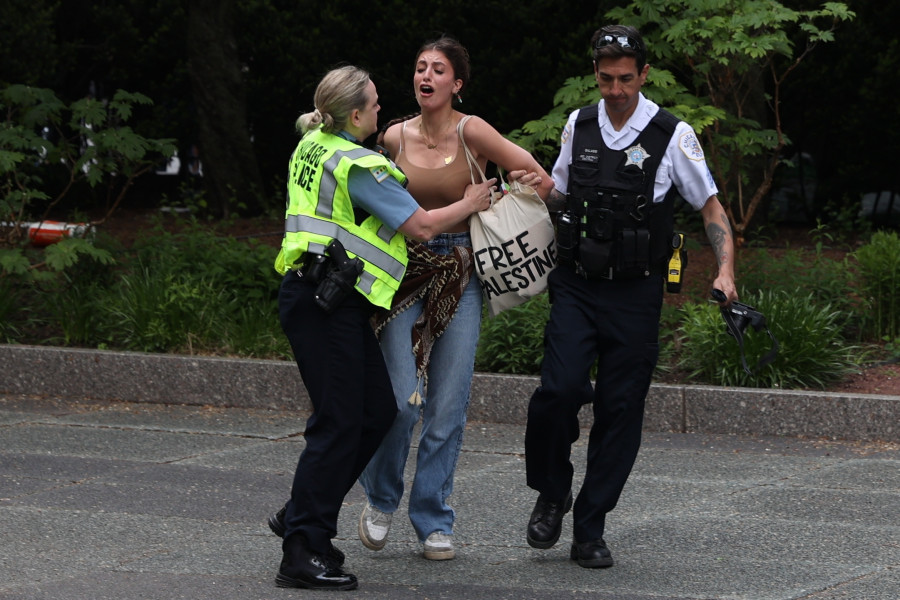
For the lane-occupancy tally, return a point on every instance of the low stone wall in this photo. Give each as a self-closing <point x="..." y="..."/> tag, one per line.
<point x="175" y="379"/>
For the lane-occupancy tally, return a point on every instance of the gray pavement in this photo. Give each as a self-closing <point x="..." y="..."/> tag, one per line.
<point x="110" y="499"/>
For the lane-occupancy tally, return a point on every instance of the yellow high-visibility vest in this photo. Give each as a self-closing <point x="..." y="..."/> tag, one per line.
<point x="319" y="210"/>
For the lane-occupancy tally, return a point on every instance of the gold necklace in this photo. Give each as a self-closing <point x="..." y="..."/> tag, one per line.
<point x="429" y="145"/>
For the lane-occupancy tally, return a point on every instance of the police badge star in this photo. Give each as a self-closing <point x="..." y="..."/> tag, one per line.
<point x="636" y="156"/>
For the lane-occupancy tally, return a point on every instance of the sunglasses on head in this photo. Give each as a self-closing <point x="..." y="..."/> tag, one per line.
<point x="622" y="40"/>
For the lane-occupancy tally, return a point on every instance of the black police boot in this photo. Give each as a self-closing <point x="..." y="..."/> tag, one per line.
<point x="591" y="555"/>
<point x="545" y="524"/>
<point x="276" y="524"/>
<point x="302" y="568"/>
<point x="276" y="521"/>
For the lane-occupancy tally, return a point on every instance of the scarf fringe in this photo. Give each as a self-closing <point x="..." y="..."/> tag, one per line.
<point x="416" y="398"/>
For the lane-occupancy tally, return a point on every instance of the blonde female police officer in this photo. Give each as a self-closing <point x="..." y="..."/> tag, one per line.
<point x="342" y="255"/>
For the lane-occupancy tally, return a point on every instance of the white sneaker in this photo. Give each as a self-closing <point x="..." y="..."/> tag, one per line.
<point x="374" y="526"/>
<point x="439" y="546"/>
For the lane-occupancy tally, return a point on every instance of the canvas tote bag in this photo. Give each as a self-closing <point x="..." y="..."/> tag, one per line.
<point x="513" y="242"/>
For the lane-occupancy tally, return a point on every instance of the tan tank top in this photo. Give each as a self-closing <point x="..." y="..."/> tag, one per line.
<point x="436" y="188"/>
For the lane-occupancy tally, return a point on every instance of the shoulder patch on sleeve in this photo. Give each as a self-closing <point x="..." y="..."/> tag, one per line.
<point x="567" y="131"/>
<point x="379" y="173"/>
<point x="690" y="145"/>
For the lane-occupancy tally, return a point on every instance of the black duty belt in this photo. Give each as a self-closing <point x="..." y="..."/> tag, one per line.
<point x="579" y="270"/>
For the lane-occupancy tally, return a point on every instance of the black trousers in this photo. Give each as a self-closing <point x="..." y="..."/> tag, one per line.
<point x="617" y="324"/>
<point x="353" y="403"/>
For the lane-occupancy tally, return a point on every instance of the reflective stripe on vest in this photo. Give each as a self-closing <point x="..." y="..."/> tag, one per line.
<point x="352" y="243"/>
<point x="328" y="184"/>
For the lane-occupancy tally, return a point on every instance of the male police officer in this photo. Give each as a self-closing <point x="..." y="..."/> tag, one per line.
<point x="620" y="165"/>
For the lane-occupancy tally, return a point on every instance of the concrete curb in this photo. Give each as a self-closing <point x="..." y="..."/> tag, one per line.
<point x="248" y="383"/>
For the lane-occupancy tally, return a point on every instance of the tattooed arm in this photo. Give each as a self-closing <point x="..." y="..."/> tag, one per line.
<point x="718" y="230"/>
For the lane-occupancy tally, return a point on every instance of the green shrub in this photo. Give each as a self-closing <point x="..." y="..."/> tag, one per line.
<point x="254" y="331"/>
<point x="196" y="291"/>
<point x="670" y="321"/>
<point x="892" y="349"/>
<point x="812" y="351"/>
<point x="9" y="308"/>
<point x="879" y="285"/>
<point x="513" y="341"/>
<point x="242" y="268"/>
<point x="203" y="292"/>
<point x="73" y="309"/>
<point x="826" y="279"/>
<point x="192" y="291"/>
<point x="70" y="301"/>
<point x="151" y="310"/>
<point x="89" y="145"/>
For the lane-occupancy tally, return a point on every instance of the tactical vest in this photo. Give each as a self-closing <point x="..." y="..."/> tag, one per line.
<point x="612" y="229"/>
<point x="319" y="210"/>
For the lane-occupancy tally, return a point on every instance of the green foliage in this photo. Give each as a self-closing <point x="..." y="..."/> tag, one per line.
<point x="13" y="263"/>
<point x="254" y="331"/>
<point x="74" y="306"/>
<point x="67" y="303"/>
<point x="9" y="305"/>
<point x="843" y="215"/>
<point x="812" y="351"/>
<point x="879" y="266"/>
<point x="243" y="267"/>
<point x="541" y="136"/>
<point x="67" y="252"/>
<point x="27" y="42"/>
<point x="197" y="291"/>
<point x="93" y="145"/>
<point x="191" y="292"/>
<point x="726" y="48"/>
<point x="156" y="311"/>
<point x="708" y="62"/>
<point x="669" y="322"/>
<point x="111" y="151"/>
<point x="142" y="46"/>
<point x="813" y="302"/>
<point x="513" y="341"/>
<point x="892" y="348"/>
<point x="812" y="271"/>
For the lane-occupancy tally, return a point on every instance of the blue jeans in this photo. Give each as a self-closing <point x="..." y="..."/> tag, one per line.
<point x="443" y="409"/>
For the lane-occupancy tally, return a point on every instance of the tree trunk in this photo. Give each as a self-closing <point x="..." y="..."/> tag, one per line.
<point x="231" y="173"/>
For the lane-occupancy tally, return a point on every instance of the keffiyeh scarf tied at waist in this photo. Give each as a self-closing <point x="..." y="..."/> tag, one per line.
<point x="439" y="279"/>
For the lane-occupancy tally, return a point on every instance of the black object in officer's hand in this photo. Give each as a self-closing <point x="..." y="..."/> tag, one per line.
<point x="719" y="295"/>
<point x="341" y="277"/>
<point x="737" y="317"/>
